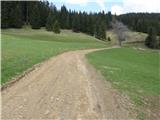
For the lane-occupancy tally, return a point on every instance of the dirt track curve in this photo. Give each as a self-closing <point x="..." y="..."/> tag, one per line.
<point x="64" y="87"/>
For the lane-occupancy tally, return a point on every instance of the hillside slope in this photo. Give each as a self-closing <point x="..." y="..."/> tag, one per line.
<point x="22" y="48"/>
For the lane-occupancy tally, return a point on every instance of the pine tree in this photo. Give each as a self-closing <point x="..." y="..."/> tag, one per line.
<point x="68" y="21"/>
<point x="103" y="30"/>
<point x="56" y="27"/>
<point x="87" y="25"/>
<point x="44" y="12"/>
<point x="97" y="31"/>
<point x="63" y="17"/>
<point x="5" y="14"/>
<point x="35" y="17"/>
<point x="91" y="26"/>
<point x="151" y="40"/>
<point x="100" y="30"/>
<point x="50" y="21"/>
<point x="109" y="16"/>
<point x="17" y="21"/>
<point x="158" y="43"/>
<point x="76" y="24"/>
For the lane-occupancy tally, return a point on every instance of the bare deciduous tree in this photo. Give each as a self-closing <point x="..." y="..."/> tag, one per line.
<point x="119" y="29"/>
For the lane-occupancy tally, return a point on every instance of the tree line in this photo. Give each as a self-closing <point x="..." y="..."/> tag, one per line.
<point x="15" y="14"/>
<point x="146" y="23"/>
<point x="141" y="22"/>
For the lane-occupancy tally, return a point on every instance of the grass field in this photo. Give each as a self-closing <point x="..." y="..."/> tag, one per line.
<point x="22" y="48"/>
<point x="133" y="72"/>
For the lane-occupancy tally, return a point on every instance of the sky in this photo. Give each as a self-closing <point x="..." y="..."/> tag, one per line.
<point x="115" y="6"/>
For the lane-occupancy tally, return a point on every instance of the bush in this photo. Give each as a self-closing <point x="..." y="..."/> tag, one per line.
<point x="109" y="39"/>
<point x="152" y="41"/>
<point x="56" y="27"/>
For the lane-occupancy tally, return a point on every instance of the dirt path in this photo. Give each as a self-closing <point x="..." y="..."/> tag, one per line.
<point x="64" y="87"/>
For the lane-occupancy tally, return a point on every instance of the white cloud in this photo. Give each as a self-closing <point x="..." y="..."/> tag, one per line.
<point x="141" y="6"/>
<point x="80" y="2"/>
<point x="136" y="6"/>
<point x="101" y="4"/>
<point x="116" y="9"/>
<point x="122" y="6"/>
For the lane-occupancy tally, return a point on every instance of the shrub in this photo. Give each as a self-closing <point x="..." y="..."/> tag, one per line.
<point x="56" y="27"/>
<point x="109" y="39"/>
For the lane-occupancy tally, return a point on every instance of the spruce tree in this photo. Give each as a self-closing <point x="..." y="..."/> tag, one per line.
<point x="97" y="31"/>
<point x="109" y="16"/>
<point x="158" y="43"/>
<point x="103" y="30"/>
<point x="76" y="24"/>
<point x="68" y="21"/>
<point x="63" y="17"/>
<point x="100" y="30"/>
<point x="56" y="27"/>
<point x="35" y="17"/>
<point x="91" y="26"/>
<point x="154" y="40"/>
<point x="44" y="12"/>
<point x="17" y="21"/>
<point x="5" y="14"/>
<point x="50" y="21"/>
<point x="151" y="40"/>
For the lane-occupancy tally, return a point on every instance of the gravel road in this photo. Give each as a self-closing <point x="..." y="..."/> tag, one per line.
<point x="64" y="87"/>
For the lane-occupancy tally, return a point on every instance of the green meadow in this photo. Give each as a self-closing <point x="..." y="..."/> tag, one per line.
<point x="133" y="72"/>
<point x="22" y="48"/>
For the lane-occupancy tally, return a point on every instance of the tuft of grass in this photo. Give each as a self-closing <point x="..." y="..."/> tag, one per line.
<point x="22" y="48"/>
<point x="132" y="71"/>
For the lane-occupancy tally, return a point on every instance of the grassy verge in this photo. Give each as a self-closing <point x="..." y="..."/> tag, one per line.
<point x="134" y="72"/>
<point x="22" y="48"/>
